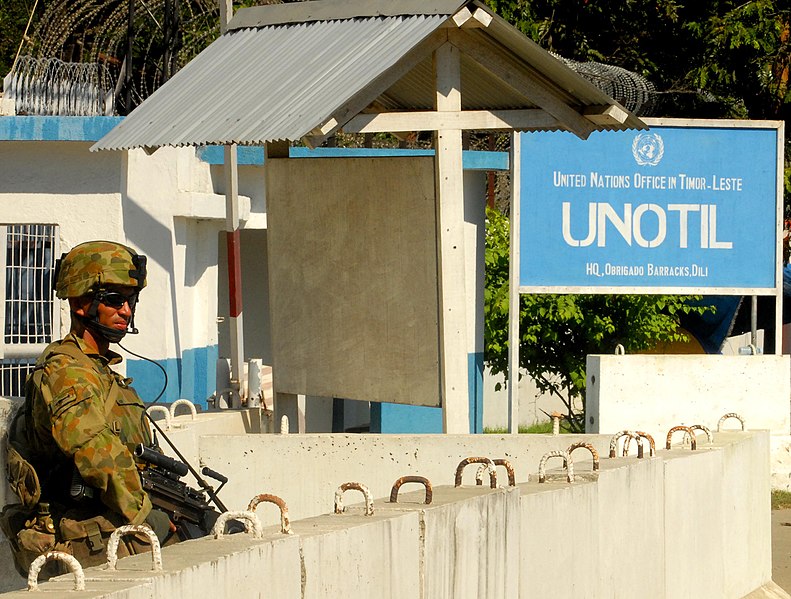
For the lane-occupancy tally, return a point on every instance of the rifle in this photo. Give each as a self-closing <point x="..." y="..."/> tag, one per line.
<point x="187" y="508"/>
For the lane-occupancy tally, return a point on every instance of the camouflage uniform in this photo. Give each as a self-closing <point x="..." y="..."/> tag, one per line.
<point x="81" y="413"/>
<point x="81" y="422"/>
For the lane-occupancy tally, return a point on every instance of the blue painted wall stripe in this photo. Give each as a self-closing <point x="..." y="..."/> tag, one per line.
<point x="252" y="155"/>
<point x="56" y="128"/>
<point x="93" y="128"/>
<point x="191" y="377"/>
<point x="403" y="419"/>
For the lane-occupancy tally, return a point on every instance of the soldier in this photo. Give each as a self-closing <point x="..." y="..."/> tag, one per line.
<point x="70" y="450"/>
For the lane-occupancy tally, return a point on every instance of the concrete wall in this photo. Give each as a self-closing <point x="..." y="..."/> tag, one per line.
<point x="271" y="463"/>
<point x="655" y="393"/>
<point x="677" y="525"/>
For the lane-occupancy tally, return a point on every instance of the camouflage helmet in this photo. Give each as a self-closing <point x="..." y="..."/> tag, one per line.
<point x="94" y="264"/>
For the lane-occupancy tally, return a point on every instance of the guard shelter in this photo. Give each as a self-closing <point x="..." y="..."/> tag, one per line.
<point x="373" y="296"/>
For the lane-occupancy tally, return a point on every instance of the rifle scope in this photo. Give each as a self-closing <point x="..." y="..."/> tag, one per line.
<point x="158" y="459"/>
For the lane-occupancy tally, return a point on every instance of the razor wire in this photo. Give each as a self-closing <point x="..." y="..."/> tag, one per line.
<point x="49" y="86"/>
<point x="630" y="90"/>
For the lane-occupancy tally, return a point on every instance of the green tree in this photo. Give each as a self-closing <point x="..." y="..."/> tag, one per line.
<point x="557" y="332"/>
<point x="14" y="16"/>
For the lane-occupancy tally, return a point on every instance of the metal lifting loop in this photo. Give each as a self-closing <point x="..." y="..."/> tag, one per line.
<point x="163" y="410"/>
<point x="508" y="469"/>
<point x="121" y="531"/>
<point x="590" y="448"/>
<point x="285" y="524"/>
<point x="649" y="438"/>
<point x="497" y="462"/>
<point x="629" y="435"/>
<point x="412" y="479"/>
<point x="252" y="525"/>
<point x="183" y="402"/>
<point x="369" y="502"/>
<point x="71" y="563"/>
<point x="566" y="462"/>
<point x="478" y="460"/>
<point x="700" y="427"/>
<point x="730" y="415"/>
<point x="688" y="430"/>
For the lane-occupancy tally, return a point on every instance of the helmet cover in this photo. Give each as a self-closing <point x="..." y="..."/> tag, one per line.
<point x="96" y="264"/>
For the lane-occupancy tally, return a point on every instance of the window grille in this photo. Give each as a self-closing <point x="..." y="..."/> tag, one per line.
<point x="30" y="314"/>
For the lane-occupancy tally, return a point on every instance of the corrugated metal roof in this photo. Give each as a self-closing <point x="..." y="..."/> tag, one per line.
<point x="278" y="82"/>
<point x="282" y="80"/>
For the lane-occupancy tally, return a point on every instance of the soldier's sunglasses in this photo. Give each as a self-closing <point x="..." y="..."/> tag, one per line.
<point x="116" y="299"/>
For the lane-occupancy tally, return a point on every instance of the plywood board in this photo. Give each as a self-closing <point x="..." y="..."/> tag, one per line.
<point x="353" y="278"/>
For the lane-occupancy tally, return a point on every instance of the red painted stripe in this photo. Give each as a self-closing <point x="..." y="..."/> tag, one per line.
<point x="234" y="273"/>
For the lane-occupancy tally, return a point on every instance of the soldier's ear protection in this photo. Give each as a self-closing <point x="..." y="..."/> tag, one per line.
<point x="139" y="272"/>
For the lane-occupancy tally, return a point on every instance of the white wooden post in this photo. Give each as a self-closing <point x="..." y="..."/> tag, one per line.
<point x="454" y="369"/>
<point x="226" y="12"/>
<point x="513" y="287"/>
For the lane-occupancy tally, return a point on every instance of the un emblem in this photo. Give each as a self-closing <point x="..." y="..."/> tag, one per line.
<point x="648" y="149"/>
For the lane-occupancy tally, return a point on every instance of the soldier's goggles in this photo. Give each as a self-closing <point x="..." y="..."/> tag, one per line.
<point x="116" y="299"/>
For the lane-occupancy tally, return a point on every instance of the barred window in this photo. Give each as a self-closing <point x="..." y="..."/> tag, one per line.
<point x="30" y="314"/>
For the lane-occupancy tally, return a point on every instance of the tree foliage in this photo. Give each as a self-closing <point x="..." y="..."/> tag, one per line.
<point x="557" y="332"/>
<point x="14" y="16"/>
<point x="706" y="58"/>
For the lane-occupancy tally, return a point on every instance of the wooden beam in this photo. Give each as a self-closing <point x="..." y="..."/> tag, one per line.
<point x="369" y="93"/>
<point x="610" y="114"/>
<point x="468" y="20"/>
<point x="515" y="74"/>
<point x="482" y="17"/>
<point x="462" y="17"/>
<point x="468" y="120"/>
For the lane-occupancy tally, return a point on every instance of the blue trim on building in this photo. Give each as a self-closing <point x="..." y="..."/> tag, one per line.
<point x="191" y="377"/>
<point x="402" y="419"/>
<point x="56" y="128"/>
<point x="254" y="155"/>
<point x="93" y="128"/>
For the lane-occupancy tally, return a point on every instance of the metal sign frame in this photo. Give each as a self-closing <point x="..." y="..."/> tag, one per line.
<point x="609" y="241"/>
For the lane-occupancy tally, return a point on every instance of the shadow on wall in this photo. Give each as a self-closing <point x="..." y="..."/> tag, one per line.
<point x="59" y="168"/>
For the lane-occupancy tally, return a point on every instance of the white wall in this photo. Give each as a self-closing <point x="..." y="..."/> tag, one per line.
<point x="164" y="206"/>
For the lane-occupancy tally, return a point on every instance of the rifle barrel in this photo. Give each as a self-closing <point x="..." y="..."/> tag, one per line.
<point x="161" y="460"/>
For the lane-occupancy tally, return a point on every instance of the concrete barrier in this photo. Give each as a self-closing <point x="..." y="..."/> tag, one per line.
<point x="305" y="470"/>
<point x="682" y="524"/>
<point x="469" y="542"/>
<point x="657" y="392"/>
